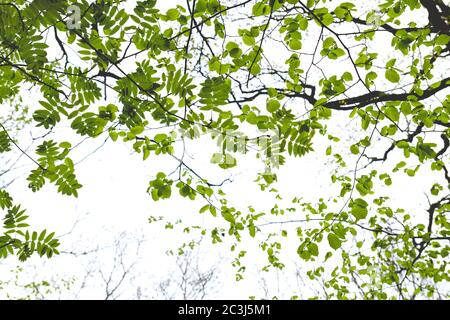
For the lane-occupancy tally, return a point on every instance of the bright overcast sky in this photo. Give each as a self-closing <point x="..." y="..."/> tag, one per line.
<point x="113" y="200"/>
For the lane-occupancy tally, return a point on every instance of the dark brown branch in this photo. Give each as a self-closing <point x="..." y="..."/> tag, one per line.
<point x="18" y="13"/>
<point x="380" y="96"/>
<point x="434" y="16"/>
<point x="392" y="30"/>
<point x="409" y="139"/>
<point x="61" y="46"/>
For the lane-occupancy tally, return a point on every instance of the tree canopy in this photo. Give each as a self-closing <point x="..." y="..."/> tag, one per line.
<point x="364" y="84"/>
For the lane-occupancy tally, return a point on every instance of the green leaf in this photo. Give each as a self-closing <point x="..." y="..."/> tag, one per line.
<point x="65" y="145"/>
<point x="160" y="137"/>
<point x="114" y="135"/>
<point x="273" y="105"/>
<point x="347" y="76"/>
<point x="370" y="77"/>
<point x="216" y="158"/>
<point x="295" y="44"/>
<point x="173" y="14"/>
<point x="213" y="211"/>
<point x="354" y="149"/>
<point x="228" y="217"/>
<point x="392" y="75"/>
<point x="359" y="209"/>
<point x="334" y="241"/>
<point x="260" y="9"/>
<point x="313" y="249"/>
<point x="5" y="144"/>
<point x="442" y="40"/>
<point x="392" y="113"/>
<point x="390" y="63"/>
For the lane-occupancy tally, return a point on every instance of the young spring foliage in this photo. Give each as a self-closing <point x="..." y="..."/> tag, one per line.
<point x="289" y="70"/>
